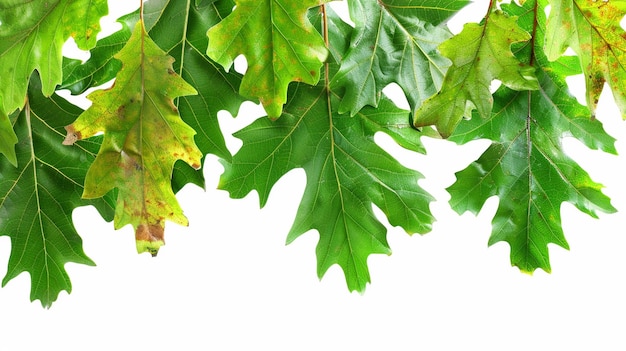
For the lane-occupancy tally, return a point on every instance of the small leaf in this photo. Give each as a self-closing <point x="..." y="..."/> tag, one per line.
<point x="526" y="166"/>
<point x="143" y="137"/>
<point x="479" y="54"/>
<point x="37" y="198"/>
<point x="279" y="43"/>
<point x="32" y="34"/>
<point x="394" y="41"/>
<point x="592" y="29"/>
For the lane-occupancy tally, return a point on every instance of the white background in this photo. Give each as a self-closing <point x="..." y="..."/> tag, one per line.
<point x="228" y="282"/>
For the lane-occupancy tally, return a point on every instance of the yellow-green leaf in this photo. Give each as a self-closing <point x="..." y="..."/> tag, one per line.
<point x="143" y="137"/>
<point x="279" y="43"/>
<point x="479" y="54"/>
<point x="32" y="34"/>
<point x="592" y="29"/>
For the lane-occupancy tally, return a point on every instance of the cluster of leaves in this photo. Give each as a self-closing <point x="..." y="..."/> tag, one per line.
<point x="320" y="81"/>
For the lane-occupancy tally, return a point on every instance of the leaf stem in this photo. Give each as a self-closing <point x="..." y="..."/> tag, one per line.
<point x="327" y="42"/>
<point x="141" y="10"/>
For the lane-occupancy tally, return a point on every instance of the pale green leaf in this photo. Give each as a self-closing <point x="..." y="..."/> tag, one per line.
<point x="32" y="34"/>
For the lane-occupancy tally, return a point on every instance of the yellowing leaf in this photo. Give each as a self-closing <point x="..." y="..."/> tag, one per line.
<point x="32" y="34"/>
<point x="279" y="43"/>
<point x="143" y="137"/>
<point x="479" y="54"/>
<point x="592" y="29"/>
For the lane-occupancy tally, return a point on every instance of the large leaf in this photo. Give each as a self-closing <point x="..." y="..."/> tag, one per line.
<point x="526" y="166"/>
<point x="38" y="197"/>
<point x="479" y="54"/>
<point x="179" y="28"/>
<point x="279" y="43"/>
<point x="592" y="29"/>
<point x="32" y="34"/>
<point x="143" y="137"/>
<point x="347" y="173"/>
<point x="394" y="41"/>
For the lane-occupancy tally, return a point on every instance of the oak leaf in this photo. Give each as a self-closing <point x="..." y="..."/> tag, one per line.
<point x="347" y="172"/>
<point x="279" y="43"/>
<point x="38" y="196"/>
<point x="394" y="42"/>
<point x="526" y="166"/>
<point x="479" y="54"/>
<point x="179" y="28"/>
<point x="143" y="137"/>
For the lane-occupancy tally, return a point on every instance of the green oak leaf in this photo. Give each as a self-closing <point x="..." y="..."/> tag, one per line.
<point x="347" y="173"/>
<point x="179" y="28"/>
<point x="526" y="166"/>
<point x="592" y="29"/>
<point x="32" y="34"/>
<point x="394" y="41"/>
<point x="143" y="137"/>
<point x="479" y="54"/>
<point x="37" y="197"/>
<point x="279" y="43"/>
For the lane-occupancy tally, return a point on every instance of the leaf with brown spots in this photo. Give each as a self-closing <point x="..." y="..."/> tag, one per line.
<point x="143" y="137"/>
<point x="592" y="29"/>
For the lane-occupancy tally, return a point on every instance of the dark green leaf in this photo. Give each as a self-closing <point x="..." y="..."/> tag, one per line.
<point x="37" y="198"/>
<point x="394" y="41"/>
<point x="526" y="166"/>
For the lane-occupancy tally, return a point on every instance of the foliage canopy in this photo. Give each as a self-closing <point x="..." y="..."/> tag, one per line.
<point x="321" y="83"/>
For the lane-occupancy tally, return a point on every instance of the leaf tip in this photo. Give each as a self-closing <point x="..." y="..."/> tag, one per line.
<point x="149" y="238"/>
